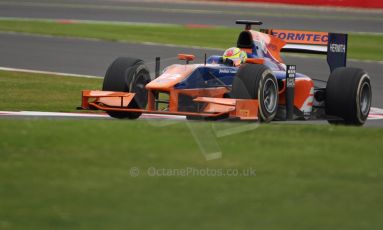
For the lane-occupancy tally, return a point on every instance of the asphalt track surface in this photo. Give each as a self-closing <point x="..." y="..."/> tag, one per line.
<point x="92" y="57"/>
<point x="293" y="17"/>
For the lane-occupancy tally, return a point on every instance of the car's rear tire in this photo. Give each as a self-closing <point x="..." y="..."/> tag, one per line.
<point x="257" y="82"/>
<point x="128" y="75"/>
<point x="348" y="96"/>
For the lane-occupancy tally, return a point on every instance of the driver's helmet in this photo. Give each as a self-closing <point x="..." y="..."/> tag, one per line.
<point x="236" y="55"/>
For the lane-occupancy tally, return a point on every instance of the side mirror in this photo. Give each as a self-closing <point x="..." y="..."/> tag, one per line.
<point x="186" y="57"/>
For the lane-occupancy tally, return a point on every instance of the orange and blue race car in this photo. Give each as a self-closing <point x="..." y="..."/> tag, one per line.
<point x="248" y="82"/>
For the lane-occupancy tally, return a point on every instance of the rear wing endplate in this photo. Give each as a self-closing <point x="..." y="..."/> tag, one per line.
<point x="332" y="44"/>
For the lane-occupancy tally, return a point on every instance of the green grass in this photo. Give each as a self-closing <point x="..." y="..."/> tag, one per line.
<point x="74" y="174"/>
<point x="219" y="37"/>
<point x="36" y="92"/>
<point x="360" y="46"/>
<point x="366" y="47"/>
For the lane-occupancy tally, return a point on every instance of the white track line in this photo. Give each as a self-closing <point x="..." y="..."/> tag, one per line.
<point x="375" y="114"/>
<point x="374" y="110"/>
<point x="47" y="72"/>
<point x="49" y="114"/>
<point x="82" y="115"/>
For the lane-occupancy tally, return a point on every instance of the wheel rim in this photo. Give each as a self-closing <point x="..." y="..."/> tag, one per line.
<point x="365" y="98"/>
<point x="270" y="95"/>
<point x="140" y="90"/>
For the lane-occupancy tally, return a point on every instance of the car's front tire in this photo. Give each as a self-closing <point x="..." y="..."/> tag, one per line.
<point x="128" y="75"/>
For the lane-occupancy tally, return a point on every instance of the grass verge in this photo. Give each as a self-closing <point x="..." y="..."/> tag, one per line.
<point x="360" y="46"/>
<point x="38" y="92"/>
<point x="75" y="174"/>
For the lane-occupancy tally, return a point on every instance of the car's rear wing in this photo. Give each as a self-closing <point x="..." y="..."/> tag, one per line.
<point x="332" y="44"/>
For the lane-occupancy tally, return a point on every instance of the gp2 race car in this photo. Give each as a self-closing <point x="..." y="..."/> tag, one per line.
<point x="263" y="88"/>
